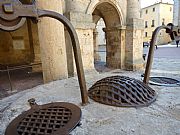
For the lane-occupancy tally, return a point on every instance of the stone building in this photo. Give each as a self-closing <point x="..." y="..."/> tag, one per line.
<point x="156" y="15"/>
<point x="48" y="41"/>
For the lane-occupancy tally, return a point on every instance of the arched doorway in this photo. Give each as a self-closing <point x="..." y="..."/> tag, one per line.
<point x="99" y="46"/>
<point x="114" y="35"/>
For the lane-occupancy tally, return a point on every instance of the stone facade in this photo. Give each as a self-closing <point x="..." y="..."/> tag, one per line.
<point x="156" y="15"/>
<point x="49" y="41"/>
<point x="123" y="30"/>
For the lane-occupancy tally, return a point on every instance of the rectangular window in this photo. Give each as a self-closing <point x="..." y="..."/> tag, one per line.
<point x="146" y="34"/>
<point x="152" y="23"/>
<point x="146" y="24"/>
<point x="170" y="9"/>
<point x="153" y="9"/>
<point x="163" y="20"/>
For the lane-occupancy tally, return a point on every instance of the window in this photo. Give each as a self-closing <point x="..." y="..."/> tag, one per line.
<point x="146" y="11"/>
<point x="146" y="24"/>
<point x="152" y="23"/>
<point x="146" y="34"/>
<point x="153" y="9"/>
<point x="170" y="9"/>
<point x="163" y="20"/>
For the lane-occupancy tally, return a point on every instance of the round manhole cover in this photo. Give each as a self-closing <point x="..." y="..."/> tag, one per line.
<point x="164" y="81"/>
<point x="122" y="91"/>
<point x="49" y="119"/>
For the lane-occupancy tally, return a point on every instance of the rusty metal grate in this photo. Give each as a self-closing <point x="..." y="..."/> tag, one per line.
<point x="122" y="91"/>
<point x="49" y="119"/>
<point x="164" y="81"/>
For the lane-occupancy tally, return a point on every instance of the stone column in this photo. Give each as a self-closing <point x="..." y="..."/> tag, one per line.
<point x="115" y="42"/>
<point x="84" y="27"/>
<point x="96" y="46"/>
<point x="133" y="9"/>
<point x="134" y="36"/>
<point x="176" y="12"/>
<point x="52" y="43"/>
<point x="35" y="47"/>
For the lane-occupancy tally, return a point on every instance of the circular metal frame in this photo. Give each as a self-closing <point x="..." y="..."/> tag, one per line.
<point x="12" y="25"/>
<point x="154" y="81"/>
<point x="34" y="119"/>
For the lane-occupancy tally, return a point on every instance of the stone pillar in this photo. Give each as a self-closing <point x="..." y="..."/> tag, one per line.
<point x="134" y="36"/>
<point x="176" y="12"/>
<point x="35" y="47"/>
<point x="84" y="27"/>
<point x="70" y="55"/>
<point x="115" y="42"/>
<point x="52" y="43"/>
<point x="133" y="9"/>
<point x="96" y="46"/>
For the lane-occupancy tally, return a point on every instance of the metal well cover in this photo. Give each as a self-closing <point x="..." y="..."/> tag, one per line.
<point x="164" y="81"/>
<point x="58" y="118"/>
<point x="122" y="91"/>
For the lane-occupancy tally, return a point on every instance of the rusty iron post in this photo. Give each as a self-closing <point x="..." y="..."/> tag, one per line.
<point x="174" y="33"/>
<point x="13" y="15"/>
<point x="76" y="49"/>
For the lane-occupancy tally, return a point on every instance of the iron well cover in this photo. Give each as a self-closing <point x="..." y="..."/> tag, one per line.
<point x="164" y="81"/>
<point x="50" y="119"/>
<point x="122" y="91"/>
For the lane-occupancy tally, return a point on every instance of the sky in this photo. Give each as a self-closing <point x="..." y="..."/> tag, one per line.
<point x="145" y="3"/>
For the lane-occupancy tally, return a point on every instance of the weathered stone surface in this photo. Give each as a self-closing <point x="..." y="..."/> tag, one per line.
<point x="160" y="118"/>
<point x="52" y="43"/>
<point x="15" y="48"/>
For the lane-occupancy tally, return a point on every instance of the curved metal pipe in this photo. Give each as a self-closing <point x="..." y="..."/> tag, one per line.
<point x="151" y="53"/>
<point x="76" y="49"/>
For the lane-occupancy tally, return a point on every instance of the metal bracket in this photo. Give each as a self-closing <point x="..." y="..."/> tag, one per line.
<point x="13" y="15"/>
<point x="8" y="8"/>
<point x="32" y="102"/>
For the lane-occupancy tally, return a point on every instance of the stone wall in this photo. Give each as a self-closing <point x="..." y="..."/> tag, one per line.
<point x="123" y="35"/>
<point x="15" y="48"/>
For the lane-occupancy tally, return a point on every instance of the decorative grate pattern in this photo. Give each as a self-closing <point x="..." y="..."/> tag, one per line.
<point x="122" y="91"/>
<point x="44" y="121"/>
<point x="164" y="81"/>
<point x="50" y="119"/>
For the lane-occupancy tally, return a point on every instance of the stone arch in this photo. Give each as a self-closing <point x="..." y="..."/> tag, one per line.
<point x="115" y="35"/>
<point x="92" y="6"/>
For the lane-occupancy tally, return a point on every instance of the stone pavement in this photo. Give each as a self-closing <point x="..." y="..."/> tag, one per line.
<point x="160" y="118"/>
<point x="166" y="59"/>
